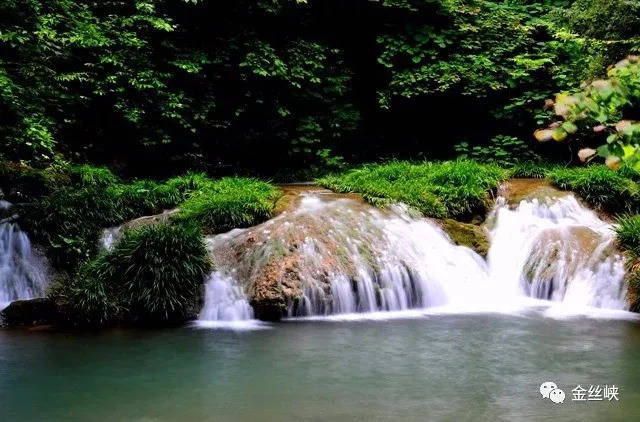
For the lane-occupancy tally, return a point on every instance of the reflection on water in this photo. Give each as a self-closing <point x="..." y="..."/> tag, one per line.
<point x="433" y="367"/>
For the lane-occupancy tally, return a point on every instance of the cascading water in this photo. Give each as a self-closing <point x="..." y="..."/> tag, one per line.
<point x="224" y="300"/>
<point x="335" y="255"/>
<point x="23" y="273"/>
<point x="557" y="250"/>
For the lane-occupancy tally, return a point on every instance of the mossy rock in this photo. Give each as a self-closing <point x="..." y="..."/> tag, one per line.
<point x="469" y="235"/>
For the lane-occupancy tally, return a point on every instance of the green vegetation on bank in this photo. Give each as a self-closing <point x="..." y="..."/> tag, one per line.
<point x="458" y="189"/>
<point x="69" y="220"/>
<point x="65" y="209"/>
<point x="454" y="189"/>
<point x="532" y="170"/>
<point x="229" y="203"/>
<point x="153" y="274"/>
<point x="628" y="231"/>
<point x="600" y="187"/>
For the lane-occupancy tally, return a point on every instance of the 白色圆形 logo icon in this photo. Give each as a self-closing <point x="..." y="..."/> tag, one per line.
<point x="549" y="390"/>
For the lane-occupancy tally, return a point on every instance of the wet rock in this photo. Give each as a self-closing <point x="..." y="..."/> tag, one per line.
<point x="470" y="235"/>
<point x="561" y="252"/>
<point x="40" y="311"/>
<point x="518" y="190"/>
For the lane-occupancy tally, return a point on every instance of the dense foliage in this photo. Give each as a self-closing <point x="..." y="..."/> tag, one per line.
<point x="606" y="109"/>
<point x="69" y="220"/>
<point x="210" y="84"/>
<point x="66" y="208"/>
<point x="154" y="275"/>
<point x="505" y="151"/>
<point x="455" y="189"/>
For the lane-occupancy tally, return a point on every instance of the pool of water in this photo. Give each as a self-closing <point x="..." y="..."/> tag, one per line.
<point x="435" y="367"/>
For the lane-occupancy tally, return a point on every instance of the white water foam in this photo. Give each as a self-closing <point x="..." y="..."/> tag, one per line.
<point x="556" y="257"/>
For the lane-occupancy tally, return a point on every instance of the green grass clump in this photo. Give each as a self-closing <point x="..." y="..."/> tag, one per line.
<point x="69" y="217"/>
<point x="628" y="235"/>
<point x="87" y="176"/>
<point x="189" y="183"/>
<point x="229" y="203"/>
<point x="144" y="197"/>
<point x="599" y="186"/>
<point x="154" y="274"/>
<point x="454" y="189"/>
<point x="628" y="231"/>
<point x="531" y="170"/>
<point x="70" y="220"/>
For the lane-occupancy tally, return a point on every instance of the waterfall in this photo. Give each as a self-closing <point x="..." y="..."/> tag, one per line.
<point x="23" y="273"/>
<point x="333" y="255"/>
<point x="224" y="300"/>
<point x="557" y="250"/>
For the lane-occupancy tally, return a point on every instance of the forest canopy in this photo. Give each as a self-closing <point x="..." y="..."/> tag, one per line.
<point x="155" y="87"/>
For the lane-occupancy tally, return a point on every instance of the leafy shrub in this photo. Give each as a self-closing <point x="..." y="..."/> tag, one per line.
<point x="229" y="203"/>
<point x="601" y="19"/>
<point x="599" y="186"/>
<point x="606" y="109"/>
<point x="456" y="189"/>
<point x="502" y="150"/>
<point x="152" y="275"/>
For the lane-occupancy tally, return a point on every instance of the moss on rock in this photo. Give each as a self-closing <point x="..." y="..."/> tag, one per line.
<point x="469" y="235"/>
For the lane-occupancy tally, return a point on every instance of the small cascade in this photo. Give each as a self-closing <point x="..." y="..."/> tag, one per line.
<point x="224" y="300"/>
<point x="333" y="255"/>
<point x="330" y="254"/>
<point x="23" y="273"/>
<point x="556" y="249"/>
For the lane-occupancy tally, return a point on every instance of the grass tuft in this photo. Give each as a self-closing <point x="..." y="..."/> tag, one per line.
<point x="628" y="231"/>
<point x="154" y="274"/>
<point x="599" y="186"/>
<point x="531" y="170"/>
<point x="454" y="189"/>
<point x="229" y="203"/>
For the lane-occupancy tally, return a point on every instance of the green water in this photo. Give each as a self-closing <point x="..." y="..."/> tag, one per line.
<point x="447" y="367"/>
